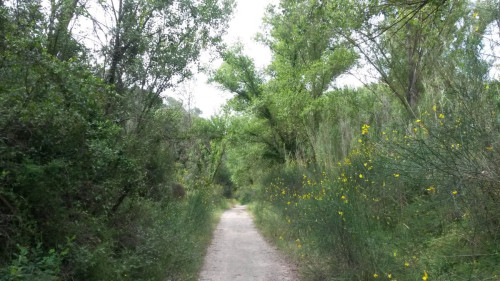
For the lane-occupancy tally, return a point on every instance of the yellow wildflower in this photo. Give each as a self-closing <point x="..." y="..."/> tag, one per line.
<point x="407" y="264"/>
<point x="455" y="192"/>
<point x="364" y="129"/>
<point x="299" y="246"/>
<point x="360" y="176"/>
<point x="375" y="275"/>
<point x="441" y="116"/>
<point x="396" y="175"/>
<point x="425" y="276"/>
<point x="434" y="107"/>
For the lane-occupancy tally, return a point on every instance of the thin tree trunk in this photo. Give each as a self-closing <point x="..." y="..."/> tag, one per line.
<point x="117" y="53"/>
<point x="66" y="13"/>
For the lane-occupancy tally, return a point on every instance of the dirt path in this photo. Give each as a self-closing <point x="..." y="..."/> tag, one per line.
<point x="239" y="252"/>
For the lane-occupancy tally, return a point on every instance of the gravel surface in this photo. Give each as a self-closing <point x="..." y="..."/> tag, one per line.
<point x="239" y="252"/>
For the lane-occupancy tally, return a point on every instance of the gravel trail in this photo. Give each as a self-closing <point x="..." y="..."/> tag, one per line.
<point x="239" y="252"/>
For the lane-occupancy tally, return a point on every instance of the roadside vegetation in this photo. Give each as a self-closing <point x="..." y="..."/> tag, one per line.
<point x="101" y="178"/>
<point x="395" y="180"/>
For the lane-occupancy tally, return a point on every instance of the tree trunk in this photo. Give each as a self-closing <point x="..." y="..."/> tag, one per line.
<point x="64" y="15"/>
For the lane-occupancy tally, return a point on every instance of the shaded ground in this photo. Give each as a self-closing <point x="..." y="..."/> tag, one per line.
<point x="239" y="252"/>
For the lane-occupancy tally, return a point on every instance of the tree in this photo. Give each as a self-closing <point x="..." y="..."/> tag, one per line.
<point x="154" y="43"/>
<point x="408" y="44"/>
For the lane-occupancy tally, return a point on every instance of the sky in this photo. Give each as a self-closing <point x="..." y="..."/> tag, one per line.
<point x="245" y="24"/>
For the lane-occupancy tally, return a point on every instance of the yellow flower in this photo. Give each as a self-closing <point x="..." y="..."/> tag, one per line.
<point x="341" y="213"/>
<point x="343" y="197"/>
<point x="475" y="15"/>
<point x="298" y="240"/>
<point x="283" y="191"/>
<point x="489" y="147"/>
<point x="396" y="175"/>
<point x="395" y="254"/>
<point x="434" y="107"/>
<point x="389" y="275"/>
<point x="431" y="189"/>
<point x="455" y="192"/>
<point x="299" y="246"/>
<point x="418" y="121"/>
<point x="288" y="203"/>
<point x="425" y="276"/>
<point x="441" y="116"/>
<point x="407" y="264"/>
<point x="364" y="129"/>
<point x="360" y="176"/>
<point x="375" y="275"/>
<point x="360" y="141"/>
<point x="281" y="237"/>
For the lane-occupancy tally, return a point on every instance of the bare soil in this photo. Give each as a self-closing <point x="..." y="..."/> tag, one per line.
<point x="239" y="252"/>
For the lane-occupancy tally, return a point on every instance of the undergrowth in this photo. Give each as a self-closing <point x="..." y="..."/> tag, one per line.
<point x="416" y="202"/>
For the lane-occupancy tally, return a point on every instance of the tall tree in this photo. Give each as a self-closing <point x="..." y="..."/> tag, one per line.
<point x="154" y="42"/>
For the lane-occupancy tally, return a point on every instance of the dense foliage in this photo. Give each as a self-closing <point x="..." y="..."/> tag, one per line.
<point x="394" y="180"/>
<point x="100" y="179"/>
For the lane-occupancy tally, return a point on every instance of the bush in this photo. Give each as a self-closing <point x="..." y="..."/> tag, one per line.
<point x="405" y="203"/>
